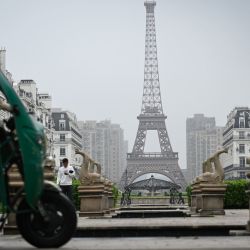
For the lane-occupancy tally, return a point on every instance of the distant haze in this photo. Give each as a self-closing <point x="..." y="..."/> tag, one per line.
<point x="89" y="55"/>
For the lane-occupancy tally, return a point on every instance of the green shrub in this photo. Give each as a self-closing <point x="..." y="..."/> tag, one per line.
<point x="236" y="196"/>
<point x="115" y="193"/>
<point x="188" y="193"/>
<point x="76" y="198"/>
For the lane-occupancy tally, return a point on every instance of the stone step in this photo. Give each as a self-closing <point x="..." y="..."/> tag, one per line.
<point x="158" y="231"/>
<point x="152" y="213"/>
<point x="153" y="207"/>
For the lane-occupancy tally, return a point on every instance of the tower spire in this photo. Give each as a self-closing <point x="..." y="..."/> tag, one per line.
<point x="151" y="99"/>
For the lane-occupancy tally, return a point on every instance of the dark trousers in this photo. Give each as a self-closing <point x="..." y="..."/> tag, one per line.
<point x="67" y="190"/>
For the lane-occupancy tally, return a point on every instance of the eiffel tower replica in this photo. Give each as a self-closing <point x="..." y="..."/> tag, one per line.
<point x="152" y="118"/>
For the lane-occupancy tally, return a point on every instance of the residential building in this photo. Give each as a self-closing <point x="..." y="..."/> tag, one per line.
<point x="27" y="91"/>
<point x="236" y="138"/>
<point x="4" y="114"/>
<point x="3" y="65"/>
<point x="105" y="143"/>
<point x="39" y="105"/>
<point x="185" y="173"/>
<point x="203" y="139"/>
<point x="67" y="137"/>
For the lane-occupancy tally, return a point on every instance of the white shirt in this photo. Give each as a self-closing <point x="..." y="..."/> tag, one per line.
<point x="63" y="179"/>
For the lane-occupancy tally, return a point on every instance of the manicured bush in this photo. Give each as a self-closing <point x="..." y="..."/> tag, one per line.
<point x="115" y="193"/>
<point x="188" y="193"/>
<point x="236" y="196"/>
<point x="76" y="198"/>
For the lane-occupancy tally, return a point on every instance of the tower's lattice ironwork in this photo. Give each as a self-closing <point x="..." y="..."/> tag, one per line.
<point x="152" y="118"/>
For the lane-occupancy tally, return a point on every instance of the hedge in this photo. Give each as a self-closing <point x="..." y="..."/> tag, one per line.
<point x="235" y="196"/>
<point x="76" y="198"/>
<point x="115" y="193"/>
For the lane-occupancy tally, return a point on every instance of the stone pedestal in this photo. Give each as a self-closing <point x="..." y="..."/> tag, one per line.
<point x="110" y="197"/>
<point x="248" y="223"/>
<point x="212" y="198"/>
<point x="195" y="201"/>
<point x="106" y="198"/>
<point x="208" y="198"/>
<point x="15" y="183"/>
<point x="92" y="200"/>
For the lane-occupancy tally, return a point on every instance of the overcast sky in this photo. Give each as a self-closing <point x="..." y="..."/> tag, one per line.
<point x="89" y="56"/>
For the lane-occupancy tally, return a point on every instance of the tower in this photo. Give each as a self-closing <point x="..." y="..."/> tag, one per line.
<point x="152" y="118"/>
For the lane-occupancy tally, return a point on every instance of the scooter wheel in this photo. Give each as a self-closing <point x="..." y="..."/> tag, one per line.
<point x="55" y="231"/>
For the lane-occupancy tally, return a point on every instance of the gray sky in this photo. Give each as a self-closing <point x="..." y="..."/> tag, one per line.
<point x="89" y="55"/>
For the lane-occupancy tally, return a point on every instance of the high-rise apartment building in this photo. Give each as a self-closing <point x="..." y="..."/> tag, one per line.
<point x="104" y="142"/>
<point x="236" y="138"/>
<point x="203" y="139"/>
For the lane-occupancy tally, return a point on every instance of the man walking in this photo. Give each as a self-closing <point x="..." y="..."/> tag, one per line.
<point x="64" y="178"/>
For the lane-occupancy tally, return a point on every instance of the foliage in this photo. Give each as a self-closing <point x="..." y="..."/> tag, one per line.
<point x="236" y="196"/>
<point x="188" y="193"/>
<point x="115" y="193"/>
<point x="76" y="198"/>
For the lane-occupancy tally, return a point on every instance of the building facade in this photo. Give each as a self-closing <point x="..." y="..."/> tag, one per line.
<point x="203" y="138"/>
<point x="39" y="105"/>
<point x="4" y="114"/>
<point x="105" y="143"/>
<point x="236" y="137"/>
<point x="3" y="65"/>
<point x="66" y="138"/>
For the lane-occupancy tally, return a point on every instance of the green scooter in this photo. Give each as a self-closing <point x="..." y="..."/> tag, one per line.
<point x="45" y="217"/>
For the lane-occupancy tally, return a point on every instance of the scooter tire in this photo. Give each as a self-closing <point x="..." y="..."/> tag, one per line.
<point x="54" y="233"/>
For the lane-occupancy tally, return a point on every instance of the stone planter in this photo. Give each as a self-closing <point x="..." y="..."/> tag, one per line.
<point x="92" y="200"/>
<point x="15" y="183"/>
<point x="248" y="223"/>
<point x="212" y="199"/>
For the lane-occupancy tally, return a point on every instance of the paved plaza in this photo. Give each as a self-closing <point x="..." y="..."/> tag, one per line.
<point x="234" y="217"/>
<point x="238" y="239"/>
<point x="139" y="243"/>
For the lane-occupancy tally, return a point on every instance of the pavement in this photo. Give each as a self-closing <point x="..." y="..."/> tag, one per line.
<point x="238" y="239"/>
<point x="234" y="217"/>
<point x="139" y="243"/>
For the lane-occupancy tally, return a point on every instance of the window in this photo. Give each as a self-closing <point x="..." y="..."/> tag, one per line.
<point x="241" y="135"/>
<point x="62" y="115"/>
<point x="242" y="148"/>
<point x="62" y="137"/>
<point x="242" y="122"/>
<point x="242" y="161"/>
<point x="242" y="175"/>
<point x="61" y="125"/>
<point x="62" y="152"/>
